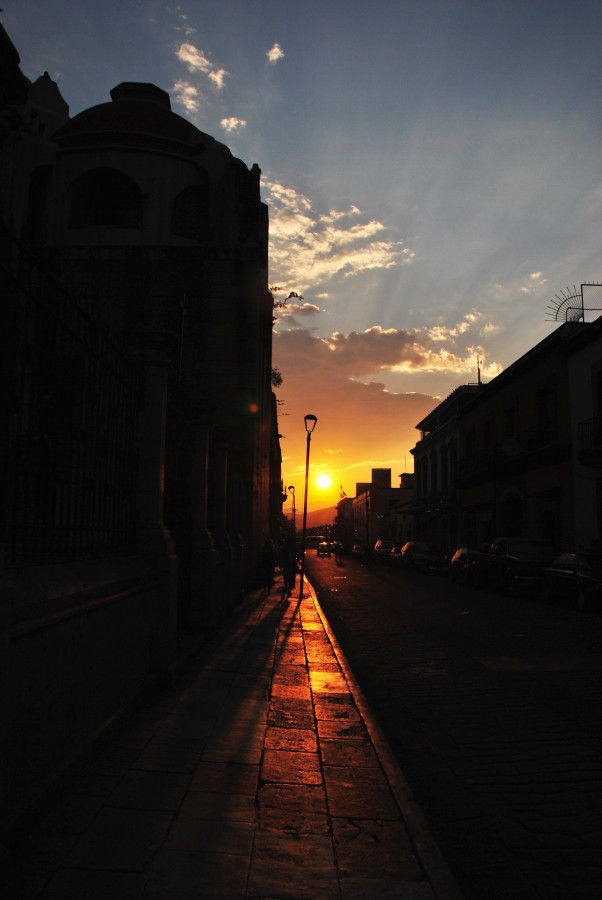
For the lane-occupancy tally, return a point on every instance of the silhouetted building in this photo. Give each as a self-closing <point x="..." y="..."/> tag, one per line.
<point x="142" y="471"/>
<point x="343" y="522"/>
<point x="371" y="519"/>
<point x="435" y="506"/>
<point x="401" y="510"/>
<point x="522" y="455"/>
<point x="517" y="459"/>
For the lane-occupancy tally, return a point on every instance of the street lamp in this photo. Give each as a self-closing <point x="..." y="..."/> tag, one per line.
<point x="292" y="490"/>
<point x="310" y="424"/>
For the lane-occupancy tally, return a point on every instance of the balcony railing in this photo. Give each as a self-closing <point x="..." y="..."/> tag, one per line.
<point x="537" y="440"/>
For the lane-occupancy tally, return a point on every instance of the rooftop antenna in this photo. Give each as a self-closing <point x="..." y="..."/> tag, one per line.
<point x="569" y="305"/>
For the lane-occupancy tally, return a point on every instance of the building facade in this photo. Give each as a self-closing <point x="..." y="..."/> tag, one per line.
<point x="515" y="471"/>
<point x="585" y="388"/>
<point x="521" y="455"/>
<point x="401" y="511"/>
<point x="371" y="519"/>
<point x="142" y="471"/>
<point x="435" y="506"/>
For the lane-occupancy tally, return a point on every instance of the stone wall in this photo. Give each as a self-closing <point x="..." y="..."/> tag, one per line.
<point x="82" y="643"/>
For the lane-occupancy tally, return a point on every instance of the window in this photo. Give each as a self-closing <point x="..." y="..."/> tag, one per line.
<point x="511" y="422"/>
<point x="105" y="197"/>
<point x="487" y="433"/>
<point x="190" y="213"/>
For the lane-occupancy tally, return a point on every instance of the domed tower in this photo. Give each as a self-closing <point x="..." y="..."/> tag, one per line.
<point x="161" y="233"/>
<point x="139" y="427"/>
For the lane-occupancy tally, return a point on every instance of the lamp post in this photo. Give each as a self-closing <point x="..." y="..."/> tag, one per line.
<point x="292" y="490"/>
<point x="310" y="424"/>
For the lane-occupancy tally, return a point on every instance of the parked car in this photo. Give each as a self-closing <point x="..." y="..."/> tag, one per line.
<point x="576" y="579"/>
<point x="357" y="550"/>
<point x="422" y="556"/>
<point x="382" y="549"/>
<point x="463" y="563"/>
<point x="513" y="564"/>
<point x="395" y="554"/>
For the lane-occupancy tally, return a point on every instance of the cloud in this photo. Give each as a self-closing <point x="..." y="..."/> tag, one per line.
<point x="197" y="61"/>
<point x="232" y="124"/>
<point x="380" y="350"/>
<point x="360" y="418"/>
<point x="292" y="312"/>
<point x="185" y="26"/>
<point x="308" y="249"/>
<point x="333" y="215"/>
<point x="440" y="333"/>
<point x="356" y="421"/>
<point x="275" y="54"/>
<point x="186" y="95"/>
<point x="299" y="309"/>
<point x="218" y="77"/>
<point x="536" y="281"/>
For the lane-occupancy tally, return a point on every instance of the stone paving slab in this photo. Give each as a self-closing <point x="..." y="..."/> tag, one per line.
<point x="261" y="775"/>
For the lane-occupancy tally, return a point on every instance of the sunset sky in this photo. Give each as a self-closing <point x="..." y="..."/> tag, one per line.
<point x="433" y="171"/>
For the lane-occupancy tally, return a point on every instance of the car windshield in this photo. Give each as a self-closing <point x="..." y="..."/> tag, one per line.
<point x="523" y="548"/>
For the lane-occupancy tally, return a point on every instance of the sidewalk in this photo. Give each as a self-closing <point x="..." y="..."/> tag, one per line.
<point x="261" y="774"/>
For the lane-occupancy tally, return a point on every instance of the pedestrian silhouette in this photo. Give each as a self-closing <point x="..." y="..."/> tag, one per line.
<point x="289" y="567"/>
<point x="267" y="565"/>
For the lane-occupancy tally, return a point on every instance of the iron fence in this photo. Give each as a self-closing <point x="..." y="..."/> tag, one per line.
<point x="70" y="423"/>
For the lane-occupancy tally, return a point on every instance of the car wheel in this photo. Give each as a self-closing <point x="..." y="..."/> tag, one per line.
<point x="581" y="602"/>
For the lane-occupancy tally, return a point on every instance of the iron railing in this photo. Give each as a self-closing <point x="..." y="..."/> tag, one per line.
<point x="70" y="423"/>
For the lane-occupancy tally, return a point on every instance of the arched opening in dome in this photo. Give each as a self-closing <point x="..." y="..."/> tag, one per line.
<point x="105" y="197"/>
<point x="190" y="212"/>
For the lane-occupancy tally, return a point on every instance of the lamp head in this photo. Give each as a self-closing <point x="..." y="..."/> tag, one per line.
<point x="310" y="423"/>
<point x="292" y="488"/>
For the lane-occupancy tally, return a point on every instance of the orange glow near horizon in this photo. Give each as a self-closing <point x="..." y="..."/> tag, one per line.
<point x="359" y="428"/>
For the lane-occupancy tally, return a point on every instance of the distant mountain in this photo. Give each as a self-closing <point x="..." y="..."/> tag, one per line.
<point x="318" y="517"/>
<point x="314" y="519"/>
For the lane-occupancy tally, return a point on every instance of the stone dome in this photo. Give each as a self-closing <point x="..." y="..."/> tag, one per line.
<point x="139" y="115"/>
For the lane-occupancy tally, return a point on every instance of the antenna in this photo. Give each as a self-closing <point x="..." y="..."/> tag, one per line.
<point x="570" y="304"/>
<point x="479" y="361"/>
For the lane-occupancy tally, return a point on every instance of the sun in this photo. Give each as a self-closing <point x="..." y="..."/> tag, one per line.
<point x="324" y="481"/>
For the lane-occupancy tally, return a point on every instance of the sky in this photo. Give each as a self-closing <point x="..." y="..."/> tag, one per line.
<point x="432" y="170"/>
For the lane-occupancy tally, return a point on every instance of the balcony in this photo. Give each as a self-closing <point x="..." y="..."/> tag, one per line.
<point x="535" y="447"/>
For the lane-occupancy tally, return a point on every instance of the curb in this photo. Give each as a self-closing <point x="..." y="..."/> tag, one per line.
<point x="437" y="871"/>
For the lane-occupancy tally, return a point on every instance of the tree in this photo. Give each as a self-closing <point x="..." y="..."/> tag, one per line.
<point x="280" y="304"/>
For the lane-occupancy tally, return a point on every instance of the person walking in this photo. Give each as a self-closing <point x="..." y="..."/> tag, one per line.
<point x="267" y="565"/>
<point x="289" y="567"/>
